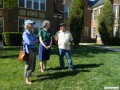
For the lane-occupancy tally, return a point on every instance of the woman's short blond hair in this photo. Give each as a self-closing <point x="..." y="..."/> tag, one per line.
<point x="45" y="23"/>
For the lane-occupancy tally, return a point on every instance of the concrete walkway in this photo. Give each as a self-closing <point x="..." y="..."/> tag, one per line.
<point x="102" y="47"/>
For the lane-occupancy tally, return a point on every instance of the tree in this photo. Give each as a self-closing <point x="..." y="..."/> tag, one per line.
<point x="75" y="21"/>
<point x="106" y="22"/>
<point x="9" y="3"/>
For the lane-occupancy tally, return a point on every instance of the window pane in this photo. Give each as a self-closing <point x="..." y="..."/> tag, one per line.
<point x="66" y="11"/>
<point x="94" y="32"/>
<point x="43" y="1"/>
<point x="115" y="10"/>
<point x="86" y="31"/>
<point x="21" y="29"/>
<point x="95" y="14"/>
<point x="1" y="26"/>
<point x="29" y="4"/>
<point x="21" y="25"/>
<point x="36" y="4"/>
<point x="35" y="30"/>
<point x="21" y="3"/>
<point x="1" y="3"/>
<point x="42" y="4"/>
<point x="41" y="23"/>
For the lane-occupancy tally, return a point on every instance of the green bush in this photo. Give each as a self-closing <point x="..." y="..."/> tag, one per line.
<point x="75" y="20"/>
<point x="12" y="38"/>
<point x="106" y="22"/>
<point x="115" y="42"/>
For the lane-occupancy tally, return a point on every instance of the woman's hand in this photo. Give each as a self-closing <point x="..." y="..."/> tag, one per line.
<point x="47" y="47"/>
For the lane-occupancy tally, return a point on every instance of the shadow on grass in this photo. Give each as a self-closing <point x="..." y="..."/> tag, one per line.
<point x="63" y="74"/>
<point x="58" y="75"/>
<point x="9" y="56"/>
<point x="87" y="51"/>
<point x="10" y="48"/>
<point x="82" y="66"/>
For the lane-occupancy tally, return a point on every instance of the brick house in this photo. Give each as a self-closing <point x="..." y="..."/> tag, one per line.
<point x="92" y="11"/>
<point x="12" y="20"/>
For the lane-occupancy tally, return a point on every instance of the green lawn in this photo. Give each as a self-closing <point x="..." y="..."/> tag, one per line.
<point x="94" y="69"/>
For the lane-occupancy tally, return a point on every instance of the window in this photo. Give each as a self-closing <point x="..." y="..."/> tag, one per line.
<point x="41" y="23"/>
<point x="29" y="4"/>
<point x="86" y="31"/>
<point x="94" y="33"/>
<point x="1" y="3"/>
<point x="66" y="12"/>
<point x="1" y="25"/>
<point x="94" y="15"/>
<point x="42" y="5"/>
<point x="33" y="4"/>
<point x="36" y="27"/>
<point x="36" y="4"/>
<point x="115" y="10"/>
<point x="115" y="31"/>
<point x="100" y="8"/>
<point x="21" y="25"/>
<point x="21" y="3"/>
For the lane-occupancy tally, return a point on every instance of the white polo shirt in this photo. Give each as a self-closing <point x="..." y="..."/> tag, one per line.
<point x="64" y="39"/>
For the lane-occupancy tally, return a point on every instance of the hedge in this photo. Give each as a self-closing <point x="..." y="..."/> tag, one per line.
<point x="115" y="42"/>
<point x="12" y="38"/>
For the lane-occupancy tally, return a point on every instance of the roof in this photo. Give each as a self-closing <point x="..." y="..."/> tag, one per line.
<point x="95" y="3"/>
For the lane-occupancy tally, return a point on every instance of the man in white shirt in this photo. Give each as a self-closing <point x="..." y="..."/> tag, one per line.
<point x="64" y="38"/>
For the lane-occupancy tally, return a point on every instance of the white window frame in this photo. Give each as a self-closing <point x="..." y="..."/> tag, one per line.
<point x="116" y="10"/>
<point x="3" y="5"/>
<point x="25" y="6"/>
<point x="100" y="9"/>
<point x="1" y="18"/>
<point x="93" y="14"/>
<point x="93" y="32"/>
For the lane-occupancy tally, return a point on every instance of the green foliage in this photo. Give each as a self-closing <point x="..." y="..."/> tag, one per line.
<point x="10" y="3"/>
<point x="106" y="22"/>
<point x="75" y="21"/>
<point x="12" y="38"/>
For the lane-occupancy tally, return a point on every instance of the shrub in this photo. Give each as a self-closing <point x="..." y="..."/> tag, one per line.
<point x="12" y="38"/>
<point x="106" y="22"/>
<point x="115" y="42"/>
<point x="75" y="20"/>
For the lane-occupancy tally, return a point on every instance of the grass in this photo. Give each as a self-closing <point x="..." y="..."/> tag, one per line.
<point x="94" y="69"/>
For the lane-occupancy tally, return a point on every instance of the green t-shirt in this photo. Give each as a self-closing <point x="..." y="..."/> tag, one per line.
<point x="46" y="35"/>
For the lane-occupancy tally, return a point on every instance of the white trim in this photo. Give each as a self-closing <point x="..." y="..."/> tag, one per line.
<point x="100" y="8"/>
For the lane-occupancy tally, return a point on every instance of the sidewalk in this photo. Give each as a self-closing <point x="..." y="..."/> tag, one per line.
<point x="102" y="47"/>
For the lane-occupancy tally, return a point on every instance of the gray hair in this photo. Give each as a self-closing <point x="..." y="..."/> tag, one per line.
<point x="45" y="23"/>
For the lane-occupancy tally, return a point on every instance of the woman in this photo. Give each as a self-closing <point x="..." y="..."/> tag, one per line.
<point x="45" y="39"/>
<point x="29" y="41"/>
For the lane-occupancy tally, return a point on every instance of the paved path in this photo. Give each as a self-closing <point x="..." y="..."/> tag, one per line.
<point x="102" y="47"/>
